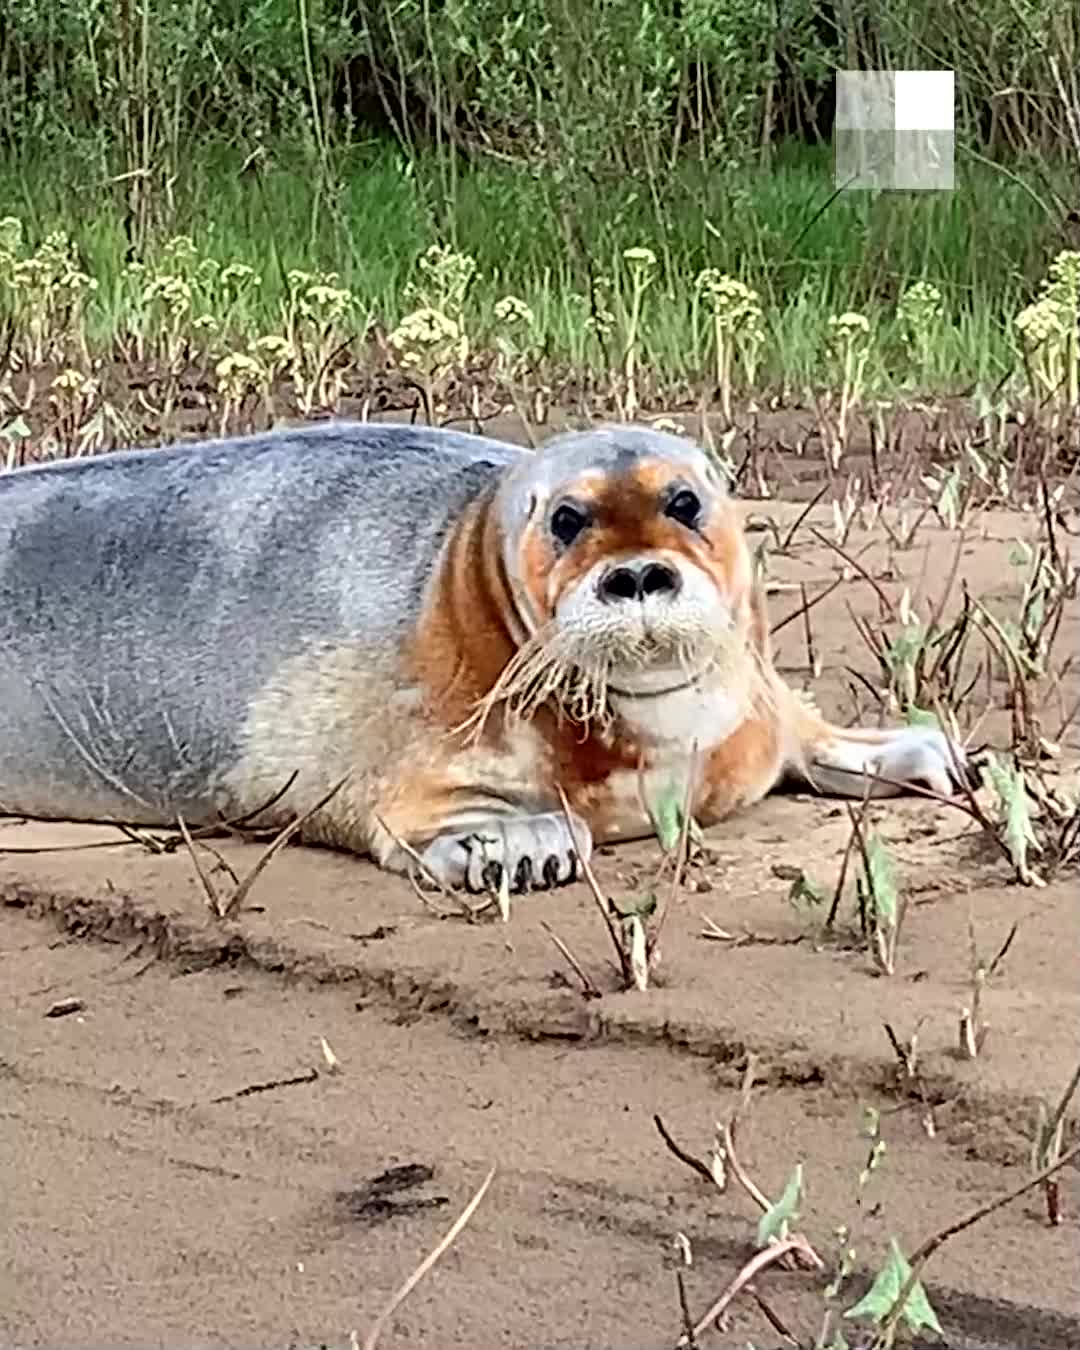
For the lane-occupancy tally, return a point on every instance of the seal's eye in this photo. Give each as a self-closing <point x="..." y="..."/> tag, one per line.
<point x="685" y="507"/>
<point x="567" y="523"/>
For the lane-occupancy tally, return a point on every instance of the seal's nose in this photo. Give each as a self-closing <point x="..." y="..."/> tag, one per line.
<point x="636" y="581"/>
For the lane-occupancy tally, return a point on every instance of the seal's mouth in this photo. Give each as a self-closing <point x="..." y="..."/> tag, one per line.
<point x="590" y="652"/>
<point x="640" y="695"/>
<point x="647" y="620"/>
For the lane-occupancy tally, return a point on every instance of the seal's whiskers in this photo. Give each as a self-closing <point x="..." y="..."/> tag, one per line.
<point x="572" y="671"/>
<point x="554" y="666"/>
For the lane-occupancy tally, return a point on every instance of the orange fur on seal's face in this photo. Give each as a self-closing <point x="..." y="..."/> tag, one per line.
<point x="628" y="518"/>
<point x="662" y="527"/>
<point x="529" y="588"/>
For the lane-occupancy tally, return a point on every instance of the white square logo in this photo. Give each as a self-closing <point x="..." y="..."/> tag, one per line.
<point x="894" y="129"/>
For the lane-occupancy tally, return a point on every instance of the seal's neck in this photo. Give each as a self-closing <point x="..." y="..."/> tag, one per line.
<point x="466" y="633"/>
<point x="701" y="712"/>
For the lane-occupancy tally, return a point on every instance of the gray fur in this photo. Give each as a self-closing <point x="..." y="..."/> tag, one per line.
<point x="147" y="596"/>
<point x="612" y="450"/>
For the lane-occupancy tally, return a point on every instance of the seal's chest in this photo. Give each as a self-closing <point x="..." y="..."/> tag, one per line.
<point x="668" y="729"/>
<point x="670" y="725"/>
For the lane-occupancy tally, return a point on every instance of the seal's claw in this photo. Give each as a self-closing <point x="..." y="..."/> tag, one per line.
<point x="533" y="852"/>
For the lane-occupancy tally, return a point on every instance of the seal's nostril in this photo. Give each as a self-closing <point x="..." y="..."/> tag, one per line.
<point x="621" y="583"/>
<point x="659" y="579"/>
<point x="637" y="582"/>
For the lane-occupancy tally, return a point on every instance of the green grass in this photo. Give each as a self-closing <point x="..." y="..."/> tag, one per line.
<point x="984" y="245"/>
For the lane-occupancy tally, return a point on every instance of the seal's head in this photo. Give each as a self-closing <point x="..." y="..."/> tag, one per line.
<point x="628" y="569"/>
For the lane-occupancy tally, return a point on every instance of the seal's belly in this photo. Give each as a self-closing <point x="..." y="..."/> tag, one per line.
<point x="101" y="745"/>
<point x="172" y="729"/>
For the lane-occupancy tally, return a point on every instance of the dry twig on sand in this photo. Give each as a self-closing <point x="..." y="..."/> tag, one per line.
<point x="405" y="1289"/>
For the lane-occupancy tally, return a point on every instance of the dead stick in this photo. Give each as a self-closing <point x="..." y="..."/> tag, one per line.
<point x="808" y="632"/>
<point x="806" y="606"/>
<point x="426" y="871"/>
<point x="773" y="1318"/>
<point x="597" y="893"/>
<point x="752" y="1268"/>
<point x="402" y="1293"/>
<point x="309" y="1076"/>
<point x="741" y="1176"/>
<point x="852" y="562"/>
<point x="243" y="890"/>
<point x="209" y="889"/>
<point x="587" y="985"/>
<point x="845" y="863"/>
<point x="688" y="1158"/>
<point x="239" y="822"/>
<point x="75" y="848"/>
<point x="931" y="1245"/>
<point x="689" y="1339"/>
<point x="758" y="1196"/>
<point x="790" y="536"/>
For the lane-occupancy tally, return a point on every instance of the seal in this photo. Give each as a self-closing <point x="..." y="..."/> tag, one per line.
<point x="460" y="629"/>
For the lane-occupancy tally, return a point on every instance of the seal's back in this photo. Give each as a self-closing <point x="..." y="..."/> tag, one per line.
<point x="147" y="596"/>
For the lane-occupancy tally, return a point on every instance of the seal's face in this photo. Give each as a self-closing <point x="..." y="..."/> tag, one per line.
<point x="628" y="561"/>
<point x="639" y="567"/>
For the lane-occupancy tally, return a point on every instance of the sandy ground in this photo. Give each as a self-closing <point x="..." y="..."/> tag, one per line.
<point x="180" y="1166"/>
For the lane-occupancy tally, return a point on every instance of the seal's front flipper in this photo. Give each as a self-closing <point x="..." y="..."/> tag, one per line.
<point x="533" y="852"/>
<point x="847" y="762"/>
